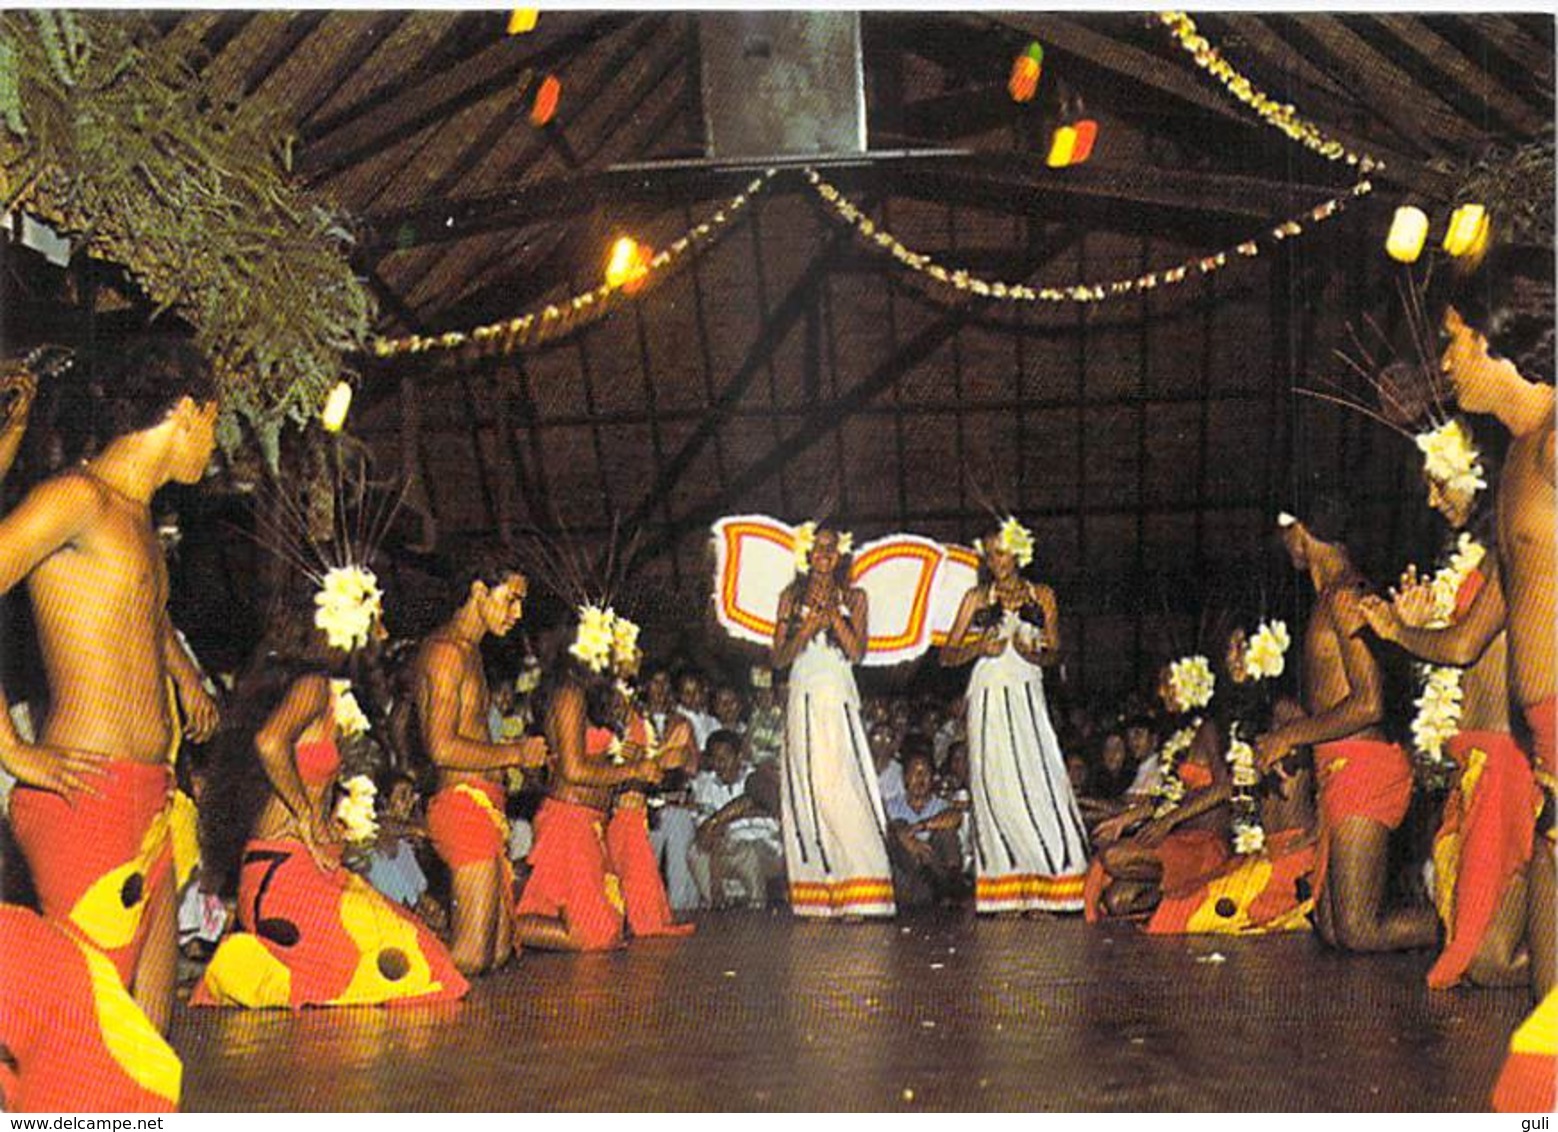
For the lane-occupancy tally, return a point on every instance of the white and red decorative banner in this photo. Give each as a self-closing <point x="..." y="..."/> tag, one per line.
<point x="913" y="585"/>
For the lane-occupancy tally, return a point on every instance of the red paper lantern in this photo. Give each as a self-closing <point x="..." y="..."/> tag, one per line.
<point x="545" y="104"/>
<point x="1087" y="134"/>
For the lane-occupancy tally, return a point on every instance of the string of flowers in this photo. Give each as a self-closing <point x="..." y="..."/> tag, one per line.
<point x="350" y="719"/>
<point x="1279" y="115"/>
<point x="884" y="241"/>
<point x="1171" y="787"/>
<point x="1439" y="705"/>
<point x="354" y="811"/>
<point x="1249" y="836"/>
<point x="558" y="319"/>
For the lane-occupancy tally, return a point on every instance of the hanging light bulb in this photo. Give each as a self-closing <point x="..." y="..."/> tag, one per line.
<point x="333" y="415"/>
<point x="1023" y="83"/>
<point x="545" y="105"/>
<point x="1468" y="231"/>
<point x="628" y="265"/>
<point x="1408" y="231"/>
<point x="522" y="20"/>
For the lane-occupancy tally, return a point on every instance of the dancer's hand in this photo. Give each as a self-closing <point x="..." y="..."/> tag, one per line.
<point x="1381" y="616"/>
<point x="531" y="752"/>
<point x="991" y="645"/>
<point x="201" y="714"/>
<point x="1270" y="749"/>
<point x="1413" y="600"/>
<point x="63" y="771"/>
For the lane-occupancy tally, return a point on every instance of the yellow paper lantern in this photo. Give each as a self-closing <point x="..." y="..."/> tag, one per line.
<point x="1062" y="147"/>
<point x="522" y="20"/>
<point x="1468" y="231"/>
<point x="333" y="415"/>
<point x="1408" y="231"/>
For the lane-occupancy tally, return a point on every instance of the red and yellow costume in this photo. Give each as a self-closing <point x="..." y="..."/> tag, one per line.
<point x="1359" y="778"/>
<point x="1526" y="1083"/>
<point x="571" y="874"/>
<point x="79" y="1042"/>
<point x="313" y="937"/>
<point x="1249" y="895"/>
<point x="1483" y="841"/>
<point x="467" y="826"/>
<point x="317" y="938"/>
<point x="632" y="856"/>
<point x="97" y="858"/>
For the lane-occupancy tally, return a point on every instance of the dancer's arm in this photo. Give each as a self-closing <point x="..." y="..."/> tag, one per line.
<point x="960" y="648"/>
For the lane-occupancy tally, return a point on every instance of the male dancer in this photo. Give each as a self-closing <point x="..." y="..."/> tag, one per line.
<point x="1484" y="842"/>
<point x="465" y="817"/>
<point x="91" y="811"/>
<point x="1365" y="782"/>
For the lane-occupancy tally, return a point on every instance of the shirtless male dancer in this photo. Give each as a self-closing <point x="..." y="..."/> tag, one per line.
<point x="90" y="812"/>
<point x="1364" y="781"/>
<point x="465" y="817"/>
<point x="1488" y="813"/>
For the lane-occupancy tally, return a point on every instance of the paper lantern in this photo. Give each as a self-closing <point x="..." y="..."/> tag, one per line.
<point x="1062" y="147"/>
<point x="1023" y="83"/>
<point x="333" y="415"/>
<point x="545" y="105"/>
<point x="1087" y="134"/>
<point x="1408" y="231"/>
<point x="1468" y="231"/>
<point x="627" y="265"/>
<point x="522" y="20"/>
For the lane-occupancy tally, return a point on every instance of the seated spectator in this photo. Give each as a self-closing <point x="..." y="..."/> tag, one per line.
<point x="952" y="787"/>
<point x="1108" y="779"/>
<point x="953" y="729"/>
<point x="765" y="724"/>
<point x="884" y="756"/>
<point x="736" y="850"/>
<point x="729" y="709"/>
<point x="392" y="866"/>
<point x="1141" y="746"/>
<point x="922" y="840"/>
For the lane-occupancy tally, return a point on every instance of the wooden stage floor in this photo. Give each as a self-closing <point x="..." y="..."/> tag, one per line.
<point x="762" y="1012"/>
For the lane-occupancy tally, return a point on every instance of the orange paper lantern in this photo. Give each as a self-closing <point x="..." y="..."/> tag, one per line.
<point x="1087" y="134"/>
<point x="545" y="105"/>
<point x="628" y="265"/>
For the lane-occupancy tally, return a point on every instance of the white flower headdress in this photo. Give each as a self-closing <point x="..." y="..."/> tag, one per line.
<point x="1263" y="654"/>
<point x="1450" y="458"/>
<point x="592" y="642"/>
<point x="806" y="538"/>
<point x="1191" y="682"/>
<point x="1015" y="539"/>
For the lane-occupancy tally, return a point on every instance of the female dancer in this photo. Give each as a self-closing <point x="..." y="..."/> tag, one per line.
<point x="313" y="933"/>
<point x="1030" y="848"/>
<point x="834" y="825"/>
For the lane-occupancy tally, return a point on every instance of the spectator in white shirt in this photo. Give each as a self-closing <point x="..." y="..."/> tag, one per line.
<point x="737" y="848"/>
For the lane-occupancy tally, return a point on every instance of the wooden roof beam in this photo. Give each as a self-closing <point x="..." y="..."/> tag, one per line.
<point x="434" y="99"/>
<point x="1464" y="73"/>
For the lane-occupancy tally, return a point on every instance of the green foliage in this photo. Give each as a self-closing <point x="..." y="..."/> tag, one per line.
<point x="1517" y="188"/>
<point x="112" y="139"/>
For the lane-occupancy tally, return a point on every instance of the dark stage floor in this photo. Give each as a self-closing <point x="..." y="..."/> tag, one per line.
<point x="759" y="1011"/>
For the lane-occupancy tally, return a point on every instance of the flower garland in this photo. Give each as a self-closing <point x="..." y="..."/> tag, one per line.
<point x="1191" y="682"/>
<point x="348" y="603"/>
<point x="354" y="811"/>
<point x="1279" y="115"/>
<point x="1249" y="836"/>
<point x="350" y="720"/>
<point x="1439" y="705"/>
<point x="1171" y="787"/>
<point x="884" y="240"/>
<point x="557" y="319"/>
<point x="806" y="538"/>
<point x="1263" y="655"/>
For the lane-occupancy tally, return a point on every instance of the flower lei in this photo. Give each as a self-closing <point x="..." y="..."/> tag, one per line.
<point x="806" y="538"/>
<point x="350" y="720"/>
<point x="354" y="811"/>
<point x="1171" y="787"/>
<point x="1191" y="681"/>
<point x="347" y="603"/>
<point x="1016" y="540"/>
<point x="1249" y="836"/>
<point x="1439" y="706"/>
<point x="1265" y="650"/>
<point x="1450" y="457"/>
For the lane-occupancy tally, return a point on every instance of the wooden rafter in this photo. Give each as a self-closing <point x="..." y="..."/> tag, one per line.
<point x="435" y="98"/>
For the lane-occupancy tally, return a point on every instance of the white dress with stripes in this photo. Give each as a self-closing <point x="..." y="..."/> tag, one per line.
<point x="835" y="845"/>
<point x="1030" y="846"/>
